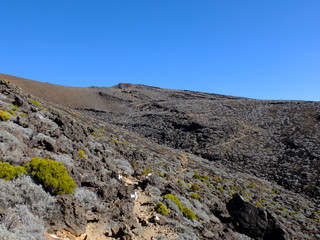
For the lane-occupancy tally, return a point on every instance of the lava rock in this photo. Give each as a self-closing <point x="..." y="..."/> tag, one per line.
<point x="252" y="221"/>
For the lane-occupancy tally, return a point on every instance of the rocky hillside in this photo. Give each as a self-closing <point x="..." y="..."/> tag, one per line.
<point x="276" y="140"/>
<point x="194" y="171"/>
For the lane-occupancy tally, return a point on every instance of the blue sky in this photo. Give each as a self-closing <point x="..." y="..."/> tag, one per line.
<point x="257" y="49"/>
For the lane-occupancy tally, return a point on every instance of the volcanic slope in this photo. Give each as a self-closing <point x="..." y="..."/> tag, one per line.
<point x="128" y="186"/>
<point x="277" y="140"/>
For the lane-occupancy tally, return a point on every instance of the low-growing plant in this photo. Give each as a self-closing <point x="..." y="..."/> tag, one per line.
<point x="4" y="116"/>
<point x="162" y="209"/>
<point x="88" y="198"/>
<point x="195" y="187"/>
<point x="234" y="188"/>
<point x="35" y="102"/>
<point x="161" y="174"/>
<point x="195" y="196"/>
<point x="8" y="171"/>
<point x="216" y="178"/>
<point x="251" y="185"/>
<point x="196" y="175"/>
<point x="146" y="171"/>
<point x="93" y="134"/>
<point x="174" y="199"/>
<point x="15" y="107"/>
<point x="220" y="188"/>
<point x="82" y="154"/>
<point x="258" y="204"/>
<point x="181" y="183"/>
<point x="188" y="213"/>
<point x="52" y="175"/>
<point x="11" y="112"/>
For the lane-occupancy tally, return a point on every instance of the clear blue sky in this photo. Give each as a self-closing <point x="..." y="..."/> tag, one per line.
<point x="260" y="49"/>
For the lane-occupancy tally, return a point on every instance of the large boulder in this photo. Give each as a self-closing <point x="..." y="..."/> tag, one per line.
<point x="252" y="221"/>
<point x="73" y="215"/>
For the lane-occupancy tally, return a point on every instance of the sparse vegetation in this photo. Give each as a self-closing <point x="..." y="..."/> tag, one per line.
<point x="146" y="171"/>
<point x="162" y="209"/>
<point x="15" y="107"/>
<point x="195" y="196"/>
<point x="195" y="187"/>
<point x="35" y="102"/>
<point x="52" y="175"/>
<point x="8" y="172"/>
<point x="11" y="112"/>
<point x="82" y="154"/>
<point x="187" y="212"/>
<point x="4" y="116"/>
<point x="196" y="175"/>
<point x="220" y="188"/>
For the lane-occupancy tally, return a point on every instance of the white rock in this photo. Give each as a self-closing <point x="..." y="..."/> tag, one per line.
<point x="54" y="236"/>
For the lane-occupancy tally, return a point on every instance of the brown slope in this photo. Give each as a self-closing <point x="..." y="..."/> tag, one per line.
<point x="74" y="97"/>
<point x="119" y="97"/>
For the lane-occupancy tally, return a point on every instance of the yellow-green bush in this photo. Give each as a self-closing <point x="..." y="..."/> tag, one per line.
<point x="174" y="199"/>
<point x="7" y="171"/>
<point x="15" y="107"/>
<point x="162" y="209"/>
<point x="188" y="213"/>
<point x="35" y="102"/>
<point x="195" y="187"/>
<point x="195" y="196"/>
<point x="4" y="115"/>
<point x="146" y="171"/>
<point x="52" y="175"/>
<point x="82" y="154"/>
<point x="196" y="175"/>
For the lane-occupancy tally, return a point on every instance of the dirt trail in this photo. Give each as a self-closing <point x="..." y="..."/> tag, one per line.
<point x="144" y="211"/>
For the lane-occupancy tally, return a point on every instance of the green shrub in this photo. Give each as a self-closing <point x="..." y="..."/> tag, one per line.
<point x="162" y="209"/>
<point x="196" y="175"/>
<point x="188" y="213"/>
<point x="11" y="112"/>
<point x="181" y="183"/>
<point x="216" y="178"/>
<point x="82" y="154"/>
<point x="52" y="175"/>
<point x="195" y="187"/>
<point x="7" y="171"/>
<point x="4" y="115"/>
<point x="220" y="188"/>
<point x="15" y="107"/>
<point x="161" y="174"/>
<point x="93" y="134"/>
<point x="35" y="102"/>
<point x="195" y="196"/>
<point x="146" y="171"/>
<point x="174" y="199"/>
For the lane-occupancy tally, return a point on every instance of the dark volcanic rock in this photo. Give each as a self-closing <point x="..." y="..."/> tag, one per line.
<point x="73" y="214"/>
<point x="252" y="221"/>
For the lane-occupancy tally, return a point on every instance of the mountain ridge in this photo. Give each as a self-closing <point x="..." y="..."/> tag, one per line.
<point x="202" y="151"/>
